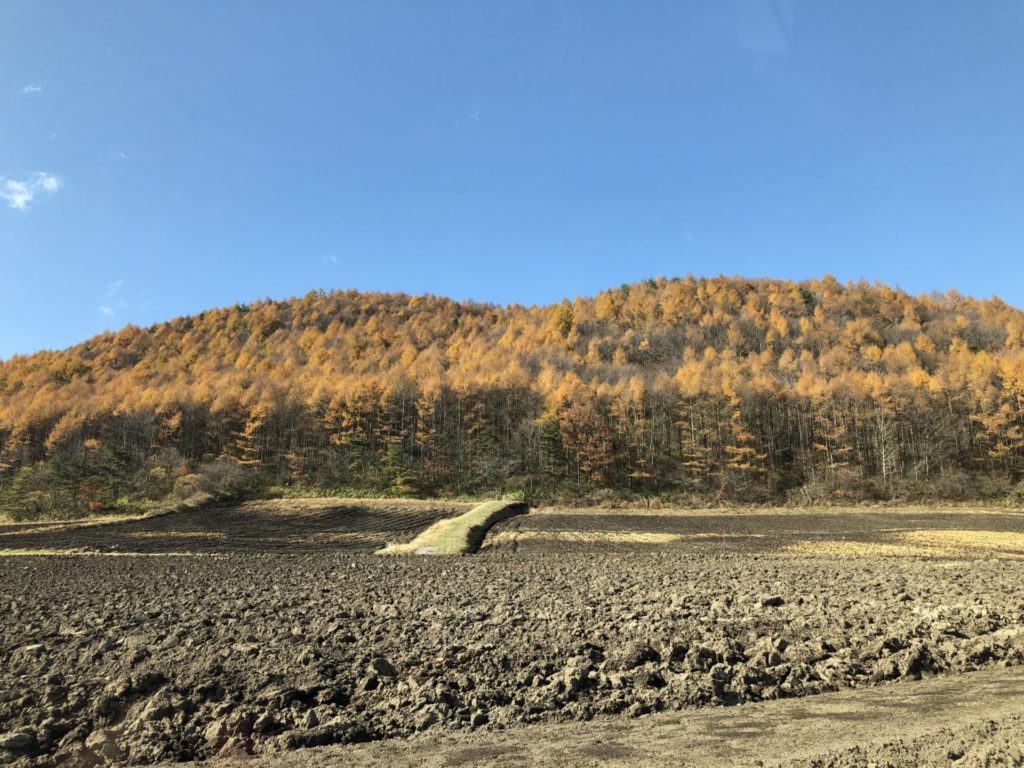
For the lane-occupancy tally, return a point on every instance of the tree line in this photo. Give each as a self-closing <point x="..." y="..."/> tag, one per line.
<point x="720" y="389"/>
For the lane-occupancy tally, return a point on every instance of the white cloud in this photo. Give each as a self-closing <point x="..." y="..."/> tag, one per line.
<point x="19" y="194"/>
<point x="114" y="287"/>
<point x="32" y="88"/>
<point x="106" y="311"/>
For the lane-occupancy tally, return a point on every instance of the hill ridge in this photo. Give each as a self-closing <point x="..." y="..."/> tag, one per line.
<point x="714" y="387"/>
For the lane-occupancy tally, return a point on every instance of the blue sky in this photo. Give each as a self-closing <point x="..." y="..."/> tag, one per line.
<point x="159" y="158"/>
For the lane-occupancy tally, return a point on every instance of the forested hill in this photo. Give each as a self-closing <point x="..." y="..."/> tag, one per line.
<point x="715" y="388"/>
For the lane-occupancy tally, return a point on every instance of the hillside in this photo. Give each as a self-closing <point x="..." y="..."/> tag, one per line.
<point x="722" y="388"/>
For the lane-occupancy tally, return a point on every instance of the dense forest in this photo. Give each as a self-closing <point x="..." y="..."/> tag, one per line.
<point x="700" y="390"/>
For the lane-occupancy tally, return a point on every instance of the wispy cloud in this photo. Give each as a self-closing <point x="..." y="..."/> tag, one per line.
<point x="471" y="115"/>
<point x="106" y="311"/>
<point x="114" y="287"/>
<point x="20" y="193"/>
<point x="30" y="88"/>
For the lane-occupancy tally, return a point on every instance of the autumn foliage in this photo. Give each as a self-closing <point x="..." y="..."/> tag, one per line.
<point x="708" y="388"/>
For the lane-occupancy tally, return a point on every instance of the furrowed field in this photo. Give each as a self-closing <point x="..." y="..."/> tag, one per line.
<point x="268" y="627"/>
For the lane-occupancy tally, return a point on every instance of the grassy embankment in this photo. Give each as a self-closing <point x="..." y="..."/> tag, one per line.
<point x="458" y="535"/>
<point x="195" y="501"/>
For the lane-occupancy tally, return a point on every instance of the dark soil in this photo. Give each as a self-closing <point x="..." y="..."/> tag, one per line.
<point x="145" y="659"/>
<point x="284" y="525"/>
<point x="756" y="531"/>
<point x="970" y="720"/>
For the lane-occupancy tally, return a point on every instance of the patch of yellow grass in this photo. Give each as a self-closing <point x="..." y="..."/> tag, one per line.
<point x="1006" y="542"/>
<point x="924" y="543"/>
<point x="770" y="511"/>
<point x="457" y="535"/>
<point x="195" y="501"/>
<point x="844" y="549"/>
<point x="6" y="520"/>
<point x="584" y="537"/>
<point x="317" y="504"/>
<point x="609" y="537"/>
<point x="177" y="535"/>
<point x="31" y="552"/>
<point x="339" y="537"/>
<point x="90" y="553"/>
<point x="47" y="526"/>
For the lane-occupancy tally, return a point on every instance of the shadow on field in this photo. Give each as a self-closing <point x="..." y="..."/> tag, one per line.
<point x="264" y="526"/>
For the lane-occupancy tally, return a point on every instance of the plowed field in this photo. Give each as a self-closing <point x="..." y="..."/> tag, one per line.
<point x="335" y="525"/>
<point x="269" y="627"/>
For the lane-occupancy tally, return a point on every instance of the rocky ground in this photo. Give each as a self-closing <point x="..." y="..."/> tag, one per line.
<point x="166" y="657"/>
<point x="970" y="720"/>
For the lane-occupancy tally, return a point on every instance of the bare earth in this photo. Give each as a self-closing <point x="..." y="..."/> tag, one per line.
<point x="280" y="525"/>
<point x="975" y="719"/>
<point x="573" y="637"/>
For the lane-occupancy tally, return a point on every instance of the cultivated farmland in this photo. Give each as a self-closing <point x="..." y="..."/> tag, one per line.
<point x="270" y="627"/>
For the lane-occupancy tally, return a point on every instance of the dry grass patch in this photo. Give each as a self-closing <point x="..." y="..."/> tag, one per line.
<point x="32" y="552"/>
<point x="176" y="535"/>
<point x="608" y="537"/>
<point x="7" y="520"/>
<point x="49" y="526"/>
<point x="335" y="537"/>
<point x="195" y="501"/>
<point x="925" y="543"/>
<point x="316" y="504"/>
<point x="91" y="553"/>
<point x="458" y="535"/>
<point x="845" y="549"/>
<point x="584" y="537"/>
<point x="770" y="511"/>
<point x="1000" y="543"/>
